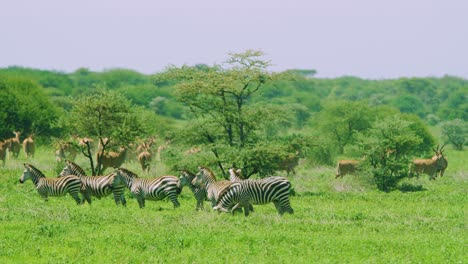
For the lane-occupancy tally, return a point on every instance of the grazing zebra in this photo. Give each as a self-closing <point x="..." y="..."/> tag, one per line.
<point x="199" y="192"/>
<point x="214" y="189"/>
<point x="243" y="193"/>
<point x="52" y="186"/>
<point x="149" y="188"/>
<point x="97" y="186"/>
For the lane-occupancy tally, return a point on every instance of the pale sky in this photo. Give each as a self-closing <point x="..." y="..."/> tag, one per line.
<point x="365" y="38"/>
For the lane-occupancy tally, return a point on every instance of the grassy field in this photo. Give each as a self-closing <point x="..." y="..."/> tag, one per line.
<point x="335" y="221"/>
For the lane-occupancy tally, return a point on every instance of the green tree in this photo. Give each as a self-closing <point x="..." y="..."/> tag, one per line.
<point x="25" y="107"/>
<point x="340" y="120"/>
<point x="234" y="130"/>
<point x="386" y="147"/>
<point x="455" y="132"/>
<point x="106" y="114"/>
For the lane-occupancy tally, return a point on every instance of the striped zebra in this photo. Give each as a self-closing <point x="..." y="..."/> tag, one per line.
<point x="243" y="193"/>
<point x="97" y="186"/>
<point x="214" y="189"/>
<point x="149" y="188"/>
<point x="52" y="186"/>
<point x="186" y="179"/>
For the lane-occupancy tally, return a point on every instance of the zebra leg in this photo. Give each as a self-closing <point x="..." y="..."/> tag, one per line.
<point x="200" y="206"/>
<point x="278" y="207"/>
<point x="86" y="196"/>
<point x="246" y="210"/>
<point x="175" y="202"/>
<point x="141" y="201"/>
<point x="76" y="197"/>
<point x="122" y="199"/>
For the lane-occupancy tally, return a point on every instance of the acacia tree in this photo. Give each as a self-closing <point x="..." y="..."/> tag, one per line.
<point x="455" y="132"/>
<point x="341" y="120"/>
<point x="105" y="115"/>
<point x="227" y="124"/>
<point x="386" y="147"/>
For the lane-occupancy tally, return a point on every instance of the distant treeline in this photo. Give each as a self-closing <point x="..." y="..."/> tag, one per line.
<point x="432" y="99"/>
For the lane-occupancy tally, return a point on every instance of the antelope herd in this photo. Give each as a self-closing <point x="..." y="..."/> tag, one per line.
<point x="223" y="195"/>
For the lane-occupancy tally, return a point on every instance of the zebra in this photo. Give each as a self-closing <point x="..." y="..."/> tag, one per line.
<point x="149" y="188"/>
<point x="52" y="186"/>
<point x="214" y="189"/>
<point x="97" y="186"/>
<point x="199" y="192"/>
<point x="243" y="193"/>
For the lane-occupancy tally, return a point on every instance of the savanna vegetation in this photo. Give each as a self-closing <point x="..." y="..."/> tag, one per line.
<point x="238" y="114"/>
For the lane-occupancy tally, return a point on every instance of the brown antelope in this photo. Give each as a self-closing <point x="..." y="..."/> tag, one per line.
<point x="439" y="154"/>
<point x="290" y="163"/>
<point x="145" y="155"/>
<point x="29" y="146"/>
<point x="3" y="150"/>
<point x="346" y="167"/>
<point x="113" y="159"/>
<point x="437" y="164"/>
<point x="15" y="144"/>
<point x="65" y="150"/>
<point x="162" y="148"/>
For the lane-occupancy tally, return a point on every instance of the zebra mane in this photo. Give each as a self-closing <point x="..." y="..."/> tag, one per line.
<point x="128" y="172"/>
<point x="209" y="172"/>
<point x="35" y="171"/>
<point x="75" y="166"/>
<point x="189" y="173"/>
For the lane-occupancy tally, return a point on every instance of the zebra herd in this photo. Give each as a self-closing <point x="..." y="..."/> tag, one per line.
<point x="224" y="195"/>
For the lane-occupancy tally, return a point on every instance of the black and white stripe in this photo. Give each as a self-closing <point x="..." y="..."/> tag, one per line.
<point x="199" y="192"/>
<point x="214" y="189"/>
<point x="243" y="193"/>
<point x="52" y="186"/>
<point x="149" y="188"/>
<point x="97" y="186"/>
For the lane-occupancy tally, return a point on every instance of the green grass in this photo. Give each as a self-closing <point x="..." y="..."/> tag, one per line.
<point x="335" y="221"/>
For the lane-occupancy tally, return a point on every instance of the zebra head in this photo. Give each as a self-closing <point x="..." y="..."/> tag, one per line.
<point x="186" y="177"/>
<point x="202" y="177"/>
<point x="124" y="177"/>
<point x="27" y="173"/>
<point x="65" y="171"/>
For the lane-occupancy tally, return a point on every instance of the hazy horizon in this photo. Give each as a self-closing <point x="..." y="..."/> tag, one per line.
<point x="363" y="38"/>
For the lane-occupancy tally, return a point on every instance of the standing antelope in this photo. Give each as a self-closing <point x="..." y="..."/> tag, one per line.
<point x="15" y="144"/>
<point x="346" y="167"/>
<point x="439" y="154"/>
<point x="437" y="164"/>
<point x="29" y="146"/>
<point x="3" y="150"/>
<point x="145" y="155"/>
<point x="113" y="159"/>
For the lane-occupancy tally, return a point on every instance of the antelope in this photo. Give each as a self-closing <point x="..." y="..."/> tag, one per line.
<point x="15" y="144"/>
<point x="432" y="166"/>
<point x="29" y="146"/>
<point x="113" y="159"/>
<point x="290" y="163"/>
<point x="66" y="150"/>
<point x="439" y="154"/>
<point x="145" y="156"/>
<point x="3" y="151"/>
<point x="346" y="167"/>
